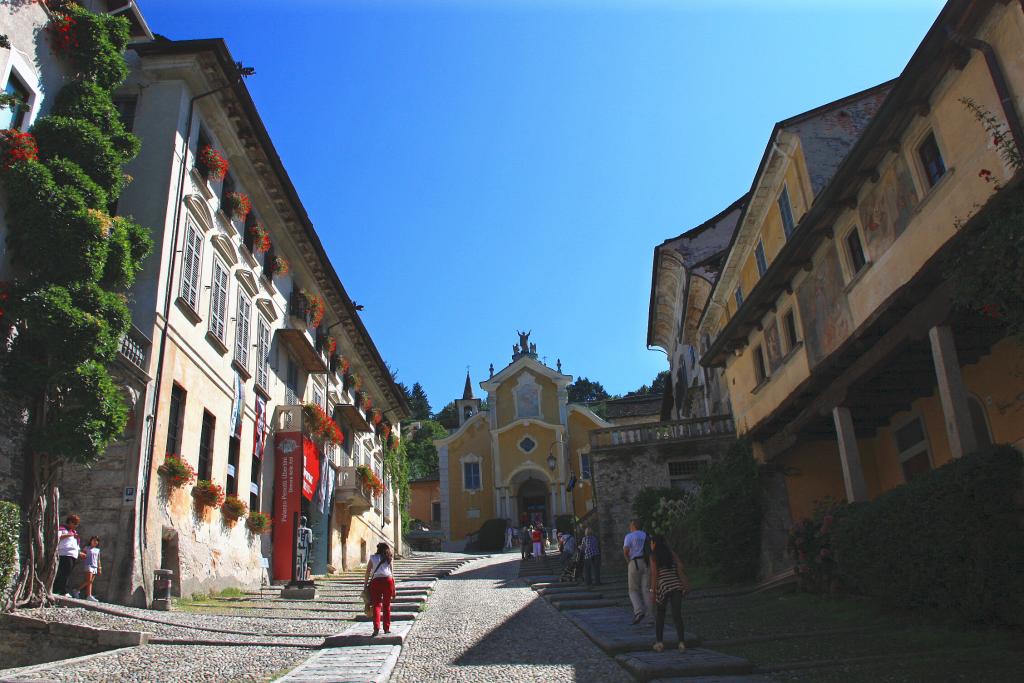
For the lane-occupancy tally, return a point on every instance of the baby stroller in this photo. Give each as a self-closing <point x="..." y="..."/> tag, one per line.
<point x="573" y="571"/>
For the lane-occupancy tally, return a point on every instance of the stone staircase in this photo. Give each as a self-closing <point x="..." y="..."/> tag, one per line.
<point x="604" y="613"/>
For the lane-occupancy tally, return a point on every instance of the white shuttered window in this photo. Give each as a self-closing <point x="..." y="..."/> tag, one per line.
<point x="262" y="353"/>
<point x="191" y="263"/>
<point x="242" y="329"/>
<point x="219" y="300"/>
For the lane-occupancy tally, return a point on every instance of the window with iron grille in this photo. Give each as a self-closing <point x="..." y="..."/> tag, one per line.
<point x="262" y="354"/>
<point x="683" y="474"/>
<point x="242" y="329"/>
<point x="219" y="300"/>
<point x="191" y="264"/>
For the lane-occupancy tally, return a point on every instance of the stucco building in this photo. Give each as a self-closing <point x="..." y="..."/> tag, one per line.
<point x="525" y="458"/>
<point x="848" y="363"/>
<point x="240" y="320"/>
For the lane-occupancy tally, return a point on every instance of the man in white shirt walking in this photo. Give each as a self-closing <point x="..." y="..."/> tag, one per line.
<point x="634" y="549"/>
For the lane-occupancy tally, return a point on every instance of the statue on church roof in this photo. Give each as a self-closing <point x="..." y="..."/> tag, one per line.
<point x="524" y="340"/>
<point x="558" y="363"/>
<point x="533" y="349"/>
<point x="492" y="369"/>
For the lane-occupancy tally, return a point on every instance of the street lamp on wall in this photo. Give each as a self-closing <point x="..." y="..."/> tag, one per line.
<point x="551" y="462"/>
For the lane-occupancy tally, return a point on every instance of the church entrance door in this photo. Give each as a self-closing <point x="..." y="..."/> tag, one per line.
<point x="533" y="502"/>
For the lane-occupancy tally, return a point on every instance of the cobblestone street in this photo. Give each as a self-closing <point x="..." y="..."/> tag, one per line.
<point x="482" y="624"/>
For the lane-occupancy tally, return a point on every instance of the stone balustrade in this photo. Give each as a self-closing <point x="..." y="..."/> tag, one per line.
<point x="662" y="432"/>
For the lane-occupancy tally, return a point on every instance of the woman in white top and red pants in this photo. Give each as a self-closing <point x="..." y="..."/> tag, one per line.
<point x="381" y="583"/>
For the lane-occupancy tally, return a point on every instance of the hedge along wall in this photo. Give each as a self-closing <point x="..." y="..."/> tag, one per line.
<point x="950" y="540"/>
<point x="10" y="530"/>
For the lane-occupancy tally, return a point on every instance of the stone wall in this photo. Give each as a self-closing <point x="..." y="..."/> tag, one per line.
<point x="20" y="638"/>
<point x="775" y="523"/>
<point x="621" y="472"/>
<point x="12" y="448"/>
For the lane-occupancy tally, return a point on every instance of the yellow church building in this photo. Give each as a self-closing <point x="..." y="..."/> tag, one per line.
<point x="523" y="457"/>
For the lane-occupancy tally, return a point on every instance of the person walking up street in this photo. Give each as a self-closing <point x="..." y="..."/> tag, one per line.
<point x="538" y="542"/>
<point x="68" y="553"/>
<point x="591" y="558"/>
<point x="93" y="568"/>
<point x="526" y="541"/>
<point x="668" y="585"/>
<point x="568" y="549"/>
<point x="381" y="581"/>
<point x="636" y="549"/>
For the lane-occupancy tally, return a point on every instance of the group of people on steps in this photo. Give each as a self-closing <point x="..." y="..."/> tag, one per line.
<point x="657" y="578"/>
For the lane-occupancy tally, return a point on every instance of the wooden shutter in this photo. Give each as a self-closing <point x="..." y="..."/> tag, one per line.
<point x="262" y="353"/>
<point x="190" y="265"/>
<point x="242" y="330"/>
<point x="219" y="300"/>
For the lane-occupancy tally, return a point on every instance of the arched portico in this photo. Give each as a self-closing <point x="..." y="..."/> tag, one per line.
<point x="527" y="495"/>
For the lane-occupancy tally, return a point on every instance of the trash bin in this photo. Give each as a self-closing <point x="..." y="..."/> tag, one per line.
<point x="162" y="589"/>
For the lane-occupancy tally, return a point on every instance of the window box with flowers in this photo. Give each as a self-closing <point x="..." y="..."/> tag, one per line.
<point x="237" y="205"/>
<point x="176" y="471"/>
<point x="258" y="522"/>
<point x="233" y="509"/>
<point x="257" y="238"/>
<point x="208" y="494"/>
<point x="370" y="480"/>
<point x="211" y="164"/>
<point x="320" y="426"/>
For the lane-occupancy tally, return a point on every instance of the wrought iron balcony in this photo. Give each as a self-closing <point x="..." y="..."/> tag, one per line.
<point x="350" y="490"/>
<point x="715" y="426"/>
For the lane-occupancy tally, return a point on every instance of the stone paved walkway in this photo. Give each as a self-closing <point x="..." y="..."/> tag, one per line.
<point x="482" y="624"/>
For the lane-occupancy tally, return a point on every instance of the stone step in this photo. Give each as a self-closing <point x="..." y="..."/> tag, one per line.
<point x="753" y="678"/>
<point x="581" y="596"/>
<point x="584" y="604"/>
<point x="395" y="616"/>
<point x="651" y="665"/>
<point x="358" y="664"/>
<point x="361" y="633"/>
<point x="611" y="630"/>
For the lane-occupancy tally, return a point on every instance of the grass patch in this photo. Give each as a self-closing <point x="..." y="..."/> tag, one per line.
<point x="232" y="593"/>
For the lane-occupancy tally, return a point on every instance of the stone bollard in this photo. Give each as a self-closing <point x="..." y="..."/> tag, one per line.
<point x="162" y="589"/>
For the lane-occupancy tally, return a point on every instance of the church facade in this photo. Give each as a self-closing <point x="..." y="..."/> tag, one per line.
<point x="523" y="457"/>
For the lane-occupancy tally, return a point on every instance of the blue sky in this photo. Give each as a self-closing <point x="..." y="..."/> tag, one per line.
<point x="478" y="167"/>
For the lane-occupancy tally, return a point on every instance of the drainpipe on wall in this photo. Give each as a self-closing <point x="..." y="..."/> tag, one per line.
<point x="168" y="299"/>
<point x="1002" y="86"/>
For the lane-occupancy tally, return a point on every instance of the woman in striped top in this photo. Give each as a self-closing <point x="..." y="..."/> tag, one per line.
<point x="669" y="584"/>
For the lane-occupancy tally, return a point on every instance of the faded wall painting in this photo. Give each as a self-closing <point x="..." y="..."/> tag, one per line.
<point x="824" y="308"/>
<point x="772" y="345"/>
<point x="887" y="209"/>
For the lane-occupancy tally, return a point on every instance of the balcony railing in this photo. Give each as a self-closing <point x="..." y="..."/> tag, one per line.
<point x="663" y="432"/>
<point x="135" y="347"/>
<point x="351" y="491"/>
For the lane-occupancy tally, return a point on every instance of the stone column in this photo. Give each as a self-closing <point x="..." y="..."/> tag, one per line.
<point x="554" y="502"/>
<point x="849" y="454"/>
<point x="952" y="394"/>
<point x="562" y="486"/>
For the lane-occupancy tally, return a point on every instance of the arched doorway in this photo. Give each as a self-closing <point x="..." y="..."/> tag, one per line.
<point x="532" y="497"/>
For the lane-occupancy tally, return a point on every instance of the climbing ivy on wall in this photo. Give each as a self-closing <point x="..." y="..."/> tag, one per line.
<point x="396" y="466"/>
<point x="989" y="266"/>
<point x="66" y="311"/>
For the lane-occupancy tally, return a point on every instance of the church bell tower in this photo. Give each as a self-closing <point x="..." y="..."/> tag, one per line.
<point x="467" y="406"/>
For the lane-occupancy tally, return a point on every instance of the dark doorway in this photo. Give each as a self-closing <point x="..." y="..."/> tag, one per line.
<point x="533" y="501"/>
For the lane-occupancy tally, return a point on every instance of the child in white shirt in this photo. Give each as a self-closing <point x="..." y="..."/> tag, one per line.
<point x="93" y="568"/>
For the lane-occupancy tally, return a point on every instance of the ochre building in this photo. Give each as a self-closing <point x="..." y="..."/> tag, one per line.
<point x="526" y="457"/>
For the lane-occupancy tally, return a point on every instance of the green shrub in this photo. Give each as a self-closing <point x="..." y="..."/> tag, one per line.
<point x="10" y="530"/>
<point x="68" y="173"/>
<point x="647" y="501"/>
<point x="491" y="535"/>
<point x="951" y="540"/>
<point x="85" y="144"/>
<point x="727" y="515"/>
<point x="101" y="40"/>
<point x="566" y="524"/>
<point x="674" y="519"/>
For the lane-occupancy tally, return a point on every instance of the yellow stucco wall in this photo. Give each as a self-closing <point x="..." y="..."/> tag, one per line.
<point x="422" y="495"/>
<point x="931" y="222"/>
<point x="506" y="398"/>
<point x="475" y="439"/>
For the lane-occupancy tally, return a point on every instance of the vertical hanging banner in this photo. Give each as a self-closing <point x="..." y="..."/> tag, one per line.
<point x="288" y="472"/>
<point x="310" y="469"/>
<point x="259" y="428"/>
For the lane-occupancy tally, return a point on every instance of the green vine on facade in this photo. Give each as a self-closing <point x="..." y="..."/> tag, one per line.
<point x="66" y="310"/>
<point x="396" y="466"/>
<point x="988" y="266"/>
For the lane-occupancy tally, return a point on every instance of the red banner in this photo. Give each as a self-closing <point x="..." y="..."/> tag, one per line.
<point x="311" y="469"/>
<point x="288" y="466"/>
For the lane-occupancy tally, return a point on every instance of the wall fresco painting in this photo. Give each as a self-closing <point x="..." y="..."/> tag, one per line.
<point x="887" y="209"/>
<point x="824" y="308"/>
<point x="772" y="345"/>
